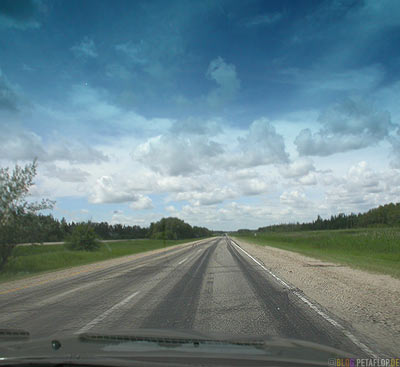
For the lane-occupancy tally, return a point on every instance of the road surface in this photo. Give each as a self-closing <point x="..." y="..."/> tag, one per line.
<point x="209" y="287"/>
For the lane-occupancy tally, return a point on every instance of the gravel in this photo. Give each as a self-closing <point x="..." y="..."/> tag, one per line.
<point x="367" y="303"/>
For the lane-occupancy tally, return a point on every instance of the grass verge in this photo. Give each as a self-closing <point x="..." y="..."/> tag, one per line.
<point x="372" y="249"/>
<point x="35" y="259"/>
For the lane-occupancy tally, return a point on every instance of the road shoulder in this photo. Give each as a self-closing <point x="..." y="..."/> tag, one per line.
<point x="368" y="302"/>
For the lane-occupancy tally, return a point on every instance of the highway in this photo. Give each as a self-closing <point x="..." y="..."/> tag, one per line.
<point x="210" y="287"/>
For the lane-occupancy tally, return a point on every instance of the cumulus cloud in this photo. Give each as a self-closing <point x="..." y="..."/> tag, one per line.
<point x="228" y="82"/>
<point x="351" y="125"/>
<point x="66" y="174"/>
<point x="210" y="197"/>
<point x="119" y="217"/>
<point x="85" y="49"/>
<point x="253" y="186"/>
<point x="362" y="188"/>
<point x="19" y="14"/>
<point x="182" y="152"/>
<point x="177" y="155"/>
<point x="142" y="202"/>
<point x="295" y="199"/>
<point x="298" y="168"/>
<point x="106" y="190"/>
<point x="27" y="145"/>
<point x="262" y="145"/>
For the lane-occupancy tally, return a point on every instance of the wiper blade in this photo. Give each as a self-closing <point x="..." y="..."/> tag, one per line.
<point x="13" y="334"/>
<point x="165" y="340"/>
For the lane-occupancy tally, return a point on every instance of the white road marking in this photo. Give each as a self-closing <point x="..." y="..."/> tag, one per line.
<point x="187" y="258"/>
<point x="105" y="314"/>
<point x="314" y="307"/>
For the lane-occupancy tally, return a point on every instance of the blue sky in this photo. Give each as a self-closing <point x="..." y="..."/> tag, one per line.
<point x="227" y="114"/>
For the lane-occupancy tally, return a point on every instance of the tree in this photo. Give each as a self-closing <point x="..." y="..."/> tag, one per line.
<point x="14" y="206"/>
<point x="83" y="237"/>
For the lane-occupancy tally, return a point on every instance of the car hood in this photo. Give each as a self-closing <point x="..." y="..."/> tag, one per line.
<point x="161" y="343"/>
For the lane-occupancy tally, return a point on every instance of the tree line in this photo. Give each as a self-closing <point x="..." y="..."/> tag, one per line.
<point x="383" y="216"/>
<point x="45" y="228"/>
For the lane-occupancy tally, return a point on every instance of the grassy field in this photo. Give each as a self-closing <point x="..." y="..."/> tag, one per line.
<point x="31" y="260"/>
<point x="372" y="249"/>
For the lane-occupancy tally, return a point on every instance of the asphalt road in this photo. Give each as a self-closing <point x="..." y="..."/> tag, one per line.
<point x="211" y="287"/>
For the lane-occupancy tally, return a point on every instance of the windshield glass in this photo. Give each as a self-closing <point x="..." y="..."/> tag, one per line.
<point x="224" y="169"/>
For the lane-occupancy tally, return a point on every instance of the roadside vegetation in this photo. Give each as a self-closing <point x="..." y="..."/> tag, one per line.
<point x="21" y="222"/>
<point x="31" y="260"/>
<point x="371" y="249"/>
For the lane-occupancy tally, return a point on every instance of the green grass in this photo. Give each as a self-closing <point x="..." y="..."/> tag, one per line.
<point x="35" y="259"/>
<point x="373" y="249"/>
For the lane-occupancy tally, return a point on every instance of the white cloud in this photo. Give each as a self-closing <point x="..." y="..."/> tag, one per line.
<point x="27" y="145"/>
<point x="142" y="202"/>
<point x="351" y="125"/>
<point x="363" y="188"/>
<point x="210" y="197"/>
<point x="295" y="199"/>
<point x="253" y="186"/>
<point x="85" y="49"/>
<point x="228" y="82"/>
<point x="66" y="174"/>
<point x="106" y="190"/>
<point x="261" y="146"/>
<point x="176" y="155"/>
<point x="119" y="217"/>
<point x="298" y="168"/>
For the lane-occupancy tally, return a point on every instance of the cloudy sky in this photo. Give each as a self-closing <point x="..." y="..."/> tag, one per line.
<point x="227" y="114"/>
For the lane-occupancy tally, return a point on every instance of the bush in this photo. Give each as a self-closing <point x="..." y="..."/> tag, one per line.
<point x="83" y="238"/>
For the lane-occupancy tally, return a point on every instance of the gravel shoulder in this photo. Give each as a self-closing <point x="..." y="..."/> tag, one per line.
<point x="369" y="303"/>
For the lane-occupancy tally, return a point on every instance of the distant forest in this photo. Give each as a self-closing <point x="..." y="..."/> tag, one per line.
<point x="45" y="228"/>
<point x="384" y="216"/>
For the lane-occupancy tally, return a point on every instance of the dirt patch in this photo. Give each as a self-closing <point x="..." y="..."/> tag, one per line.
<point x="369" y="303"/>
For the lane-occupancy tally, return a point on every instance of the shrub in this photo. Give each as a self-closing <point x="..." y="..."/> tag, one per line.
<point x="83" y="238"/>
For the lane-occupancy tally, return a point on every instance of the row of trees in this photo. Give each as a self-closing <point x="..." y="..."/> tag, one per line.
<point x="384" y="216"/>
<point x="174" y="229"/>
<point x="46" y="228"/>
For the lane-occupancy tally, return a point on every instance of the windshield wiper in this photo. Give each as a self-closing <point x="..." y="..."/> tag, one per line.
<point x="13" y="334"/>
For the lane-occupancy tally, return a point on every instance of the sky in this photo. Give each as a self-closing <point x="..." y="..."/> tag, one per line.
<point x="226" y="114"/>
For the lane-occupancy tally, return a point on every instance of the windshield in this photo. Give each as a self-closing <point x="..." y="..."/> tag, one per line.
<point x="225" y="169"/>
